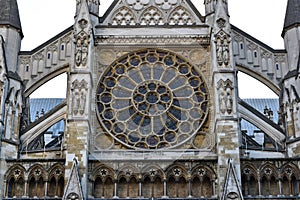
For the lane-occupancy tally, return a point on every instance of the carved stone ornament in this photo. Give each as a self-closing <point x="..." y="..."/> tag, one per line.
<point x="166" y="4"/>
<point x="225" y="96"/>
<point x="232" y="196"/>
<point x="73" y="196"/>
<point x="82" y="49"/>
<point x="222" y="49"/>
<point x="159" y="40"/>
<point x="221" y="23"/>
<point x="138" y="4"/>
<point x="79" y="92"/>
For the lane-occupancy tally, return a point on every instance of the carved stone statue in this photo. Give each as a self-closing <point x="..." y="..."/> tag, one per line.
<point x="225" y="96"/>
<point x="79" y="92"/>
<point x="222" y="49"/>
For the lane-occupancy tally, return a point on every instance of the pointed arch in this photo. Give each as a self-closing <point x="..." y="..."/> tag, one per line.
<point x="128" y="171"/>
<point x="202" y="181"/>
<point x="103" y="181"/>
<point x="249" y="179"/>
<point x="152" y="16"/>
<point x="262" y="79"/>
<point x="15" y="181"/>
<point x="123" y="16"/>
<point x="181" y="16"/>
<point x="269" y="179"/>
<point x="177" y="181"/>
<point x="56" y="181"/>
<point x="152" y="171"/>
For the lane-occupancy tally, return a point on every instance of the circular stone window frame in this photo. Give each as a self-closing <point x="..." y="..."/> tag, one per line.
<point x="133" y="61"/>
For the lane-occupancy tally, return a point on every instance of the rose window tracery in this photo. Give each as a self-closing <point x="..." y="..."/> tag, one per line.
<point x="152" y="99"/>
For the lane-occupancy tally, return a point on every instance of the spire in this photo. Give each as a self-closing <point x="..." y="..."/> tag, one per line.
<point x="73" y="188"/>
<point x="292" y="16"/>
<point x="10" y="14"/>
<point x="232" y="189"/>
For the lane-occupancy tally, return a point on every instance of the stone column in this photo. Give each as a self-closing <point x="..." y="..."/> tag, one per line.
<point x="190" y="188"/>
<point x="25" y="187"/>
<point x="280" y="186"/>
<point x="165" y="189"/>
<point x="214" y="187"/>
<point x="116" y="190"/>
<point x="140" y="188"/>
<point x="46" y="188"/>
<point x="259" y="187"/>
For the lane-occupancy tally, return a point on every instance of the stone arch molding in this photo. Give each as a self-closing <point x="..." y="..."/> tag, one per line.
<point x="258" y="60"/>
<point x="259" y="77"/>
<point x="48" y="77"/>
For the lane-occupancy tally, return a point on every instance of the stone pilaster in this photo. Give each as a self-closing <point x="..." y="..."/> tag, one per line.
<point x="79" y="96"/>
<point x="225" y="96"/>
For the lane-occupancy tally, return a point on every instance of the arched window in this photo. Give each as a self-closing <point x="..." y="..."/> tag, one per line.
<point x="207" y="187"/>
<point x="32" y="187"/>
<point x="122" y="188"/>
<point x="98" y="188"/>
<point x="108" y="188"/>
<point x="244" y="185"/>
<point x="11" y="188"/>
<point x="196" y="187"/>
<point x="52" y="187"/>
<point x="182" y="188"/>
<point x="133" y="188"/>
<point x="158" y="188"/>
<point x="40" y="188"/>
<point x="172" y="190"/>
<point x="147" y="188"/>
<point x="274" y="186"/>
<point x="265" y="187"/>
<point x="285" y="186"/>
<point x="20" y="184"/>
<point x="253" y="190"/>
<point x="60" y="185"/>
<point x="294" y="186"/>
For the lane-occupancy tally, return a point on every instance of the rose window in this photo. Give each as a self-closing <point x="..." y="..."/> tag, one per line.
<point x="152" y="99"/>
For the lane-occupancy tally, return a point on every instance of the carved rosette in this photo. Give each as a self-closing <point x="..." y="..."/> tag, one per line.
<point x="225" y="92"/>
<point x="79" y="92"/>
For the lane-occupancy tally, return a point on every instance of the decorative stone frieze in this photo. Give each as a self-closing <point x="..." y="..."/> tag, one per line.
<point x="139" y="40"/>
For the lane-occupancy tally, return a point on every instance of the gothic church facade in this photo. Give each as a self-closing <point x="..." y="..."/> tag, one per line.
<point x="152" y="107"/>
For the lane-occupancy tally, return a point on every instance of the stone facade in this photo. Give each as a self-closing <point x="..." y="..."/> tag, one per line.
<point x="152" y="108"/>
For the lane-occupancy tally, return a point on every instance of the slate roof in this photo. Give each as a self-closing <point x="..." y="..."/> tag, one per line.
<point x="292" y="16"/>
<point x="9" y="14"/>
<point x="259" y="105"/>
<point x="36" y="105"/>
<point x="48" y="103"/>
